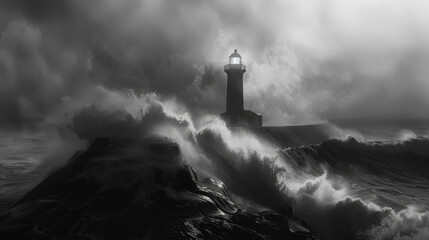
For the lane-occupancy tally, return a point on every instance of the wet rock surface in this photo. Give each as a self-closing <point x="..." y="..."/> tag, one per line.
<point x="137" y="189"/>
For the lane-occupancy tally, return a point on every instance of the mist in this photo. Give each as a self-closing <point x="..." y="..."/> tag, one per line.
<point x="307" y="61"/>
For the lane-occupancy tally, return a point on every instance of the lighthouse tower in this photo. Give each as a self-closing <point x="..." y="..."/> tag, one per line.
<point x="235" y="115"/>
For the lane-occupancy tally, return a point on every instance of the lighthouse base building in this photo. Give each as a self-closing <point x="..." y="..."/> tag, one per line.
<point x="235" y="115"/>
<point x="246" y="118"/>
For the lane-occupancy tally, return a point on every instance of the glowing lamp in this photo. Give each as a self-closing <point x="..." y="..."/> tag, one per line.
<point x="235" y="58"/>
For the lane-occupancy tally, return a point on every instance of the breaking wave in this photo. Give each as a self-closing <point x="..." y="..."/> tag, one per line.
<point x="343" y="189"/>
<point x="343" y="185"/>
<point x="366" y="190"/>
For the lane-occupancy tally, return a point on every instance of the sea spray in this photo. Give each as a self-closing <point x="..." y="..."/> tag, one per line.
<point x="340" y="187"/>
<point x="318" y="182"/>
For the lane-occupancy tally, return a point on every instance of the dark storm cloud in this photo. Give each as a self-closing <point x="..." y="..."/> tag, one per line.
<point x="306" y="61"/>
<point x="146" y="46"/>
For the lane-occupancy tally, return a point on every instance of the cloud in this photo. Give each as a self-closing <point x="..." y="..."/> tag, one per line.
<point x="307" y="61"/>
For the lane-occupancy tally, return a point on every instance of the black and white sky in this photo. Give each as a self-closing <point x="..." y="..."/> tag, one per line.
<point x="307" y="60"/>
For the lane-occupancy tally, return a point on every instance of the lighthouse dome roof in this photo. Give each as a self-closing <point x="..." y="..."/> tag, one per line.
<point x="235" y="54"/>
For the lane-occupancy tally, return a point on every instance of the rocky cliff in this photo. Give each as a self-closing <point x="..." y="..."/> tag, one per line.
<point x="138" y="189"/>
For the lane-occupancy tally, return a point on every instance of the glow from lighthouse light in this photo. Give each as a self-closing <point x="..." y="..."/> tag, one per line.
<point x="234" y="60"/>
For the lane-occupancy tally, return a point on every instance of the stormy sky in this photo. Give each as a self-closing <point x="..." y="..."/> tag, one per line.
<point x="307" y="60"/>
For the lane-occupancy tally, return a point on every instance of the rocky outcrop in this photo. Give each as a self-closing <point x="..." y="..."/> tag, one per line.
<point x="137" y="189"/>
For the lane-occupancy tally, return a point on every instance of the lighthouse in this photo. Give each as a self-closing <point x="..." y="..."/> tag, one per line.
<point x="235" y="115"/>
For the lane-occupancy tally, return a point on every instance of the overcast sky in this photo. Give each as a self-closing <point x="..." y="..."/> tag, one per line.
<point x="307" y="60"/>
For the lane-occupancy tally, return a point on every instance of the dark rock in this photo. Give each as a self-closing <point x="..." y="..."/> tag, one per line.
<point x="135" y="189"/>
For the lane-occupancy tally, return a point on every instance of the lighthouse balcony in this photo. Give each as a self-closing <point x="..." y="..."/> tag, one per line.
<point x="235" y="67"/>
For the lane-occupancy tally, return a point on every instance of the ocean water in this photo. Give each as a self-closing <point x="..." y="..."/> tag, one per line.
<point x="384" y="163"/>
<point x="348" y="180"/>
<point x="387" y="164"/>
<point x="20" y="155"/>
<point x="26" y="159"/>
